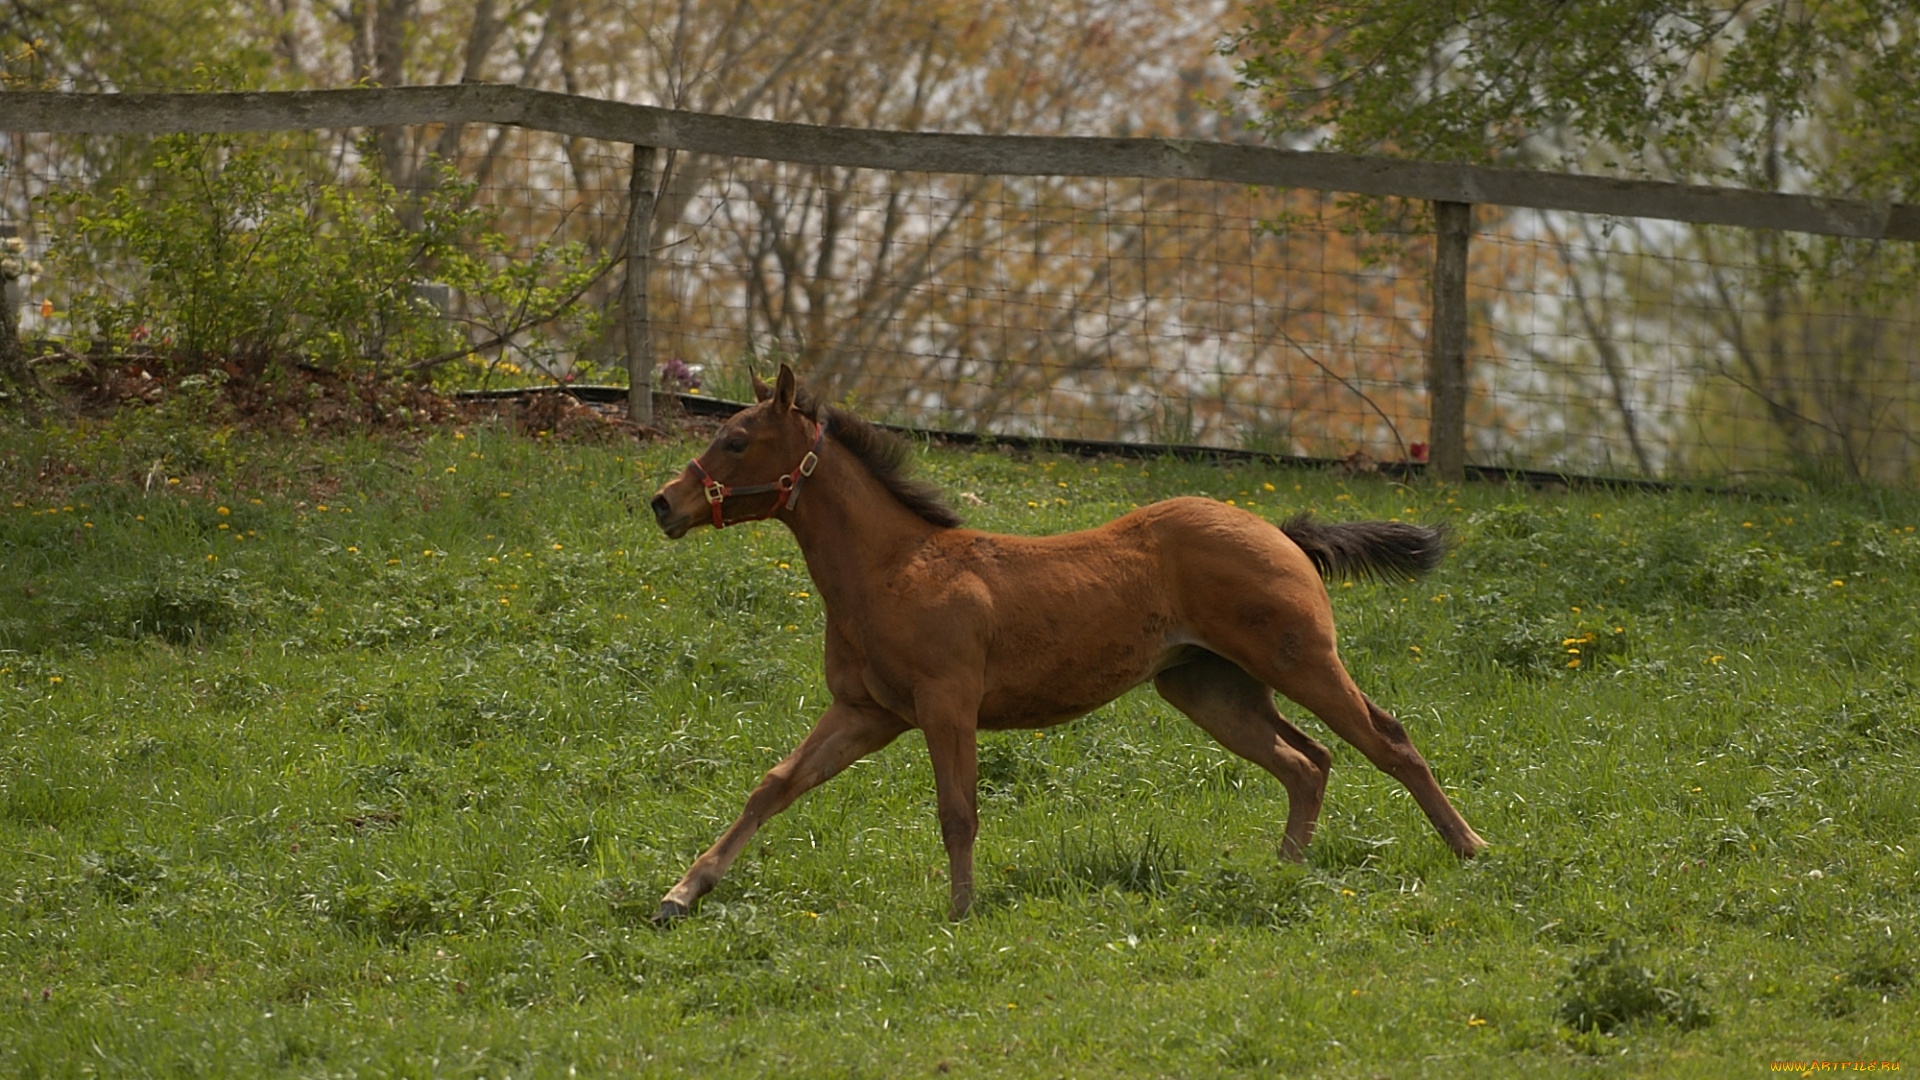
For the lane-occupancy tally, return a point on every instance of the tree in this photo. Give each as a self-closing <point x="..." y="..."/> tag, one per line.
<point x="1700" y="90"/>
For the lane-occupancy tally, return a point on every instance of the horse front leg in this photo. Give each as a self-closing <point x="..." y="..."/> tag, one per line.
<point x="842" y="736"/>
<point x="950" y="720"/>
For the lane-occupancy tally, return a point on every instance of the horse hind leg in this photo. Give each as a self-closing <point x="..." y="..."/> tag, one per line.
<point x="1323" y="686"/>
<point x="1237" y="710"/>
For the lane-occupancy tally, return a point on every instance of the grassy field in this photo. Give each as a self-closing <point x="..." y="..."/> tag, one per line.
<point x="370" y="758"/>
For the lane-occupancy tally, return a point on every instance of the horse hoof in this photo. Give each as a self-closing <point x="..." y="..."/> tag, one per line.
<point x="670" y="912"/>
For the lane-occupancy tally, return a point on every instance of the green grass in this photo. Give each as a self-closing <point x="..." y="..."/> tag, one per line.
<point x="389" y="788"/>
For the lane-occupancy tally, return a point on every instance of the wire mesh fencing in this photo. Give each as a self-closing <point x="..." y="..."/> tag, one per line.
<point x="1624" y="346"/>
<point x="1171" y="311"/>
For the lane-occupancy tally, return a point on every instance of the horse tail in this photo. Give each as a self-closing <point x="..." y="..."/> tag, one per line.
<point x="1368" y="550"/>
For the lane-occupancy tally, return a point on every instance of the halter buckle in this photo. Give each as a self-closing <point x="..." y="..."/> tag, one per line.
<point x="716" y="491"/>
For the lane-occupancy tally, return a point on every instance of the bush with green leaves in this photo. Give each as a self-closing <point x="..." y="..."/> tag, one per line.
<point x="228" y="252"/>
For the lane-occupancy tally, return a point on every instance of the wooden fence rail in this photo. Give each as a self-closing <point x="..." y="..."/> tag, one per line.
<point x="647" y="128"/>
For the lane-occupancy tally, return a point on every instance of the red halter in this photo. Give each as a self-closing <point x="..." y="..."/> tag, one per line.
<point x="717" y="492"/>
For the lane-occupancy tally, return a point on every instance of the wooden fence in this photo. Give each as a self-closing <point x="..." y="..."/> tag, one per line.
<point x="1452" y="189"/>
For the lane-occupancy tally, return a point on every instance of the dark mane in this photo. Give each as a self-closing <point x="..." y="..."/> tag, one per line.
<point x="887" y="456"/>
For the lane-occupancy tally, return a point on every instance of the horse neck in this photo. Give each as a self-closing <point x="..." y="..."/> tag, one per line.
<point x="850" y="527"/>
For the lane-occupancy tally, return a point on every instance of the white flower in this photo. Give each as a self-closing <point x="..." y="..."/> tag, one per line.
<point x="10" y="267"/>
<point x="16" y="245"/>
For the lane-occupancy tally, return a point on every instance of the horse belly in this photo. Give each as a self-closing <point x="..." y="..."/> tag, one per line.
<point x="1040" y="688"/>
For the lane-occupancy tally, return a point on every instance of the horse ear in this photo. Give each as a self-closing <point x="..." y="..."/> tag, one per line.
<point x="784" y="389"/>
<point x="761" y="391"/>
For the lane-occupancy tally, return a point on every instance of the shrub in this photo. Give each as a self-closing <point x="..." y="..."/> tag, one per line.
<point x="228" y="253"/>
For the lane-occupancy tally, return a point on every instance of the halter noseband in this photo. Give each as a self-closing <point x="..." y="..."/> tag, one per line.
<point x="788" y="482"/>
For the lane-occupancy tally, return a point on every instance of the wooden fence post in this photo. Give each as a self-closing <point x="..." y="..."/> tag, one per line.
<point x="1447" y="343"/>
<point x="16" y="379"/>
<point x="633" y="293"/>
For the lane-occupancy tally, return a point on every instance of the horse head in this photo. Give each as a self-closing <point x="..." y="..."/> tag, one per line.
<point x="761" y="456"/>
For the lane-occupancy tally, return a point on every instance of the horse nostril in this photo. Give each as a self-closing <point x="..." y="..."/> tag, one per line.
<point x="661" y="509"/>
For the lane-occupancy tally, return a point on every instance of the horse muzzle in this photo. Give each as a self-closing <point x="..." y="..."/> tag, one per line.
<point x="674" y="523"/>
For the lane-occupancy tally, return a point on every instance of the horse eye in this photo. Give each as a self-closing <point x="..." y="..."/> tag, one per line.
<point x="736" y="446"/>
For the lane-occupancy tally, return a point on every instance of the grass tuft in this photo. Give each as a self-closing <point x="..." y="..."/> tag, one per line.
<point x="1615" y="986"/>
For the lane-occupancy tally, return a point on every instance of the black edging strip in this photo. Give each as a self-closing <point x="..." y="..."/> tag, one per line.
<point x="702" y="405"/>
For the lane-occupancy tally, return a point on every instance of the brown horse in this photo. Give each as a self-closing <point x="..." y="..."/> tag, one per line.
<point x="951" y="631"/>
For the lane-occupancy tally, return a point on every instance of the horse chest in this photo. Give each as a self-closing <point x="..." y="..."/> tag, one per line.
<point x="862" y="670"/>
